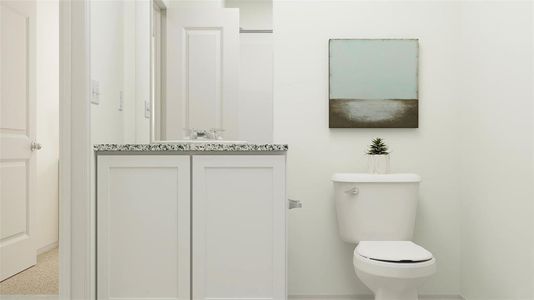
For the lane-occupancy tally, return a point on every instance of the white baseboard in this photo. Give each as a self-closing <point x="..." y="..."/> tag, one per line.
<point x="330" y="297"/>
<point x="299" y="297"/>
<point x="441" y="297"/>
<point x="368" y="297"/>
<point x="47" y="248"/>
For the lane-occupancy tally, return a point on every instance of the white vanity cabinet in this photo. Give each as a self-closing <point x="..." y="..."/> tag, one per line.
<point x="143" y="227"/>
<point x="188" y="226"/>
<point x="239" y="233"/>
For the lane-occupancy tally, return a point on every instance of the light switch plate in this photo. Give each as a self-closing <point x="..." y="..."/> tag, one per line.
<point x="95" y="92"/>
<point x="147" y="109"/>
<point x="121" y="101"/>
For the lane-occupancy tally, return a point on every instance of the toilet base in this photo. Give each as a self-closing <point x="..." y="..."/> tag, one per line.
<point x="391" y="288"/>
<point x="388" y="295"/>
<point x="393" y="281"/>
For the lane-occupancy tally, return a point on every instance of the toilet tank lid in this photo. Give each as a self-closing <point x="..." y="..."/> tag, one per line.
<point x="363" y="177"/>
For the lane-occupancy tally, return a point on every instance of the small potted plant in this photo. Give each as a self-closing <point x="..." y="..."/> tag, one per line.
<point x="378" y="157"/>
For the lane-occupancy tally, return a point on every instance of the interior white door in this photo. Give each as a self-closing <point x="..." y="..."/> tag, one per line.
<point x="143" y="227"/>
<point x="17" y="131"/>
<point x="239" y="227"/>
<point x="202" y="69"/>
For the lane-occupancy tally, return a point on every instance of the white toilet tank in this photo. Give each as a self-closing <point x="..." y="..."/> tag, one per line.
<point x="376" y="207"/>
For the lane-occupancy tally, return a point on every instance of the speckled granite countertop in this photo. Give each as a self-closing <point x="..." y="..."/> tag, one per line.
<point x="190" y="147"/>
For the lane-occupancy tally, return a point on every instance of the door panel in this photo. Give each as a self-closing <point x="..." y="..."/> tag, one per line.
<point x="17" y="130"/>
<point x="14" y="218"/>
<point x="14" y="69"/>
<point x="239" y="210"/>
<point x="143" y="229"/>
<point x="202" y="66"/>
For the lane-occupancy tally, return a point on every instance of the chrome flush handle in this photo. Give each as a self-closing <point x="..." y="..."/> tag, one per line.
<point x="354" y="191"/>
<point x="35" y="146"/>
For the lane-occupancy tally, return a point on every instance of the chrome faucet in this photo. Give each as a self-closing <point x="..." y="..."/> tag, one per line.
<point x="203" y="134"/>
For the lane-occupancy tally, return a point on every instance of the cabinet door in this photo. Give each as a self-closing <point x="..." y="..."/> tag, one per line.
<point x="239" y="227"/>
<point x="143" y="227"/>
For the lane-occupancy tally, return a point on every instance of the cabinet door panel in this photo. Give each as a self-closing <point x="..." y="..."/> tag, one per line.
<point x="143" y="227"/>
<point x="239" y="217"/>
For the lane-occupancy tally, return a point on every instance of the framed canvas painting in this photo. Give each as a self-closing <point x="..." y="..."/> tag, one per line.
<point x="373" y="83"/>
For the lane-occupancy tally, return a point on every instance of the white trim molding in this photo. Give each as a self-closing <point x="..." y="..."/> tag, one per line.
<point x="330" y="297"/>
<point x="76" y="272"/>
<point x="64" y="149"/>
<point x="47" y="248"/>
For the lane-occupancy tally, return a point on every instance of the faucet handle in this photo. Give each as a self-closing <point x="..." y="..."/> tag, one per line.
<point x="192" y="133"/>
<point x="216" y="133"/>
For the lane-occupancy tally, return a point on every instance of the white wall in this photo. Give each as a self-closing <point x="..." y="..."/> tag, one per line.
<point x="496" y="151"/>
<point x="257" y="14"/>
<point x="474" y="147"/>
<point x="319" y="262"/>
<point x="46" y="208"/>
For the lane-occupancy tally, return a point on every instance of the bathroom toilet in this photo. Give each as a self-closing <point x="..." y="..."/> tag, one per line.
<point x="377" y="212"/>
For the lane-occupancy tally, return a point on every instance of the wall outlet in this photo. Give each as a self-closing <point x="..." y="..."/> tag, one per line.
<point x="95" y="92"/>
<point x="121" y="101"/>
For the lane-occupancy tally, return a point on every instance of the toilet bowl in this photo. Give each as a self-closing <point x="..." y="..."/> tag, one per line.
<point x="393" y="270"/>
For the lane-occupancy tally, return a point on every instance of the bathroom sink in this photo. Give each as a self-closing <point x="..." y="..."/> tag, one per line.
<point x="201" y="142"/>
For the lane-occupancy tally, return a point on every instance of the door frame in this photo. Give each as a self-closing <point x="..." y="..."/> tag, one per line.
<point x="76" y="271"/>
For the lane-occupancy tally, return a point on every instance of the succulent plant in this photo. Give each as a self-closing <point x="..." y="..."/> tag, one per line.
<point x="378" y="147"/>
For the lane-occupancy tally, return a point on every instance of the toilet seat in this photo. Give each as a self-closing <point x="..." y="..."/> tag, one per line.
<point x="393" y="251"/>
<point x="393" y="259"/>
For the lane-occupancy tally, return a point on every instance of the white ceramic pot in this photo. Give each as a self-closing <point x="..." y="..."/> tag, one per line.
<point x="378" y="164"/>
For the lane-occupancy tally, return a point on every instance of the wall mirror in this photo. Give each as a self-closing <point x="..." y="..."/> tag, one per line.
<point x="120" y="71"/>
<point x="211" y="71"/>
<point x="165" y="70"/>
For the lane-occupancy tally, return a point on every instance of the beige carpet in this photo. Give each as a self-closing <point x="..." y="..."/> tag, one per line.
<point x="41" y="279"/>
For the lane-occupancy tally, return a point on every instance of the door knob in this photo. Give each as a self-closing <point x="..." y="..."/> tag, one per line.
<point x="35" y="146"/>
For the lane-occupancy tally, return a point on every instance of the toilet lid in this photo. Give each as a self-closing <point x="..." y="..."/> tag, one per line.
<point x="393" y="251"/>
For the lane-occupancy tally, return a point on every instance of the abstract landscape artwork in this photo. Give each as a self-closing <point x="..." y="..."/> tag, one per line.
<point x="373" y="83"/>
